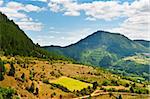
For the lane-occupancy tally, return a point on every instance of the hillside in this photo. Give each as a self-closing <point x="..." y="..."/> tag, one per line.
<point x="13" y="39"/>
<point x="133" y="66"/>
<point x="101" y="48"/>
<point x="27" y="71"/>
<point x="40" y="78"/>
<point x="143" y="42"/>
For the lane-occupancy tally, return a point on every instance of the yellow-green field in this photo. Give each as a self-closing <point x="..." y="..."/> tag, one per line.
<point x="138" y="59"/>
<point x="71" y="84"/>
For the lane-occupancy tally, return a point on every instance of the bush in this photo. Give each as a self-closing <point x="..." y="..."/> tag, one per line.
<point x="60" y="87"/>
<point x="31" y="75"/>
<point x="111" y="90"/>
<point x="131" y="90"/>
<point x="114" y="82"/>
<point x="95" y="84"/>
<point x="2" y="70"/>
<point x="6" y="93"/>
<point x="127" y="85"/>
<point x="46" y="81"/>
<point x="141" y="91"/>
<point x="105" y="83"/>
<point x="31" y="89"/>
<point x="23" y="76"/>
<point x="53" y="94"/>
<point x="123" y="90"/>
<point x="12" y="70"/>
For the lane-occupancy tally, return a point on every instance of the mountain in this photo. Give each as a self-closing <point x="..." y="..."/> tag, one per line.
<point x="143" y="42"/>
<point x="133" y="65"/>
<point x="101" y="48"/>
<point x="13" y="39"/>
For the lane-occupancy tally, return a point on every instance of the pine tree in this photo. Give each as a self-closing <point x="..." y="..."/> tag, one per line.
<point x="2" y="70"/>
<point x="12" y="70"/>
<point x="1" y="76"/>
<point x="95" y="84"/>
<point x="32" y="88"/>
<point x="23" y="77"/>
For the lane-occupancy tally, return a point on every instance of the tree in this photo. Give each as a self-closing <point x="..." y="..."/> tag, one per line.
<point x="6" y="93"/>
<point x="12" y="70"/>
<point x="120" y="97"/>
<point x="105" y="83"/>
<point x="95" y="84"/>
<point x="110" y="94"/>
<point x="1" y="76"/>
<point x="131" y="90"/>
<point x="60" y="96"/>
<point x="127" y="85"/>
<point x="23" y="77"/>
<point x="36" y="91"/>
<point x="114" y="82"/>
<point x="31" y="89"/>
<point x="134" y="85"/>
<point x="2" y="70"/>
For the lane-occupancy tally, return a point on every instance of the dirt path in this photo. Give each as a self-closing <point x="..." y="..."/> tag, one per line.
<point x="100" y="92"/>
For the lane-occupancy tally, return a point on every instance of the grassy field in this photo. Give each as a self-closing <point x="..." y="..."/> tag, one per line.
<point x="138" y="59"/>
<point x="71" y="84"/>
<point x="41" y="72"/>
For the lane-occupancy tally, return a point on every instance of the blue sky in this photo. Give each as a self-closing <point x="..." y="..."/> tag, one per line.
<point x="62" y="22"/>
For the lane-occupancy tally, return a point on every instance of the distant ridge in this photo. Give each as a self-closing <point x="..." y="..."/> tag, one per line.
<point x="145" y="43"/>
<point x="99" y="46"/>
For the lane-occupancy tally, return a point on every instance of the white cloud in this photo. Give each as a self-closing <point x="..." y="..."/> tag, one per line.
<point x="12" y="14"/>
<point x="69" y="7"/>
<point x="14" y="11"/>
<point x="68" y="37"/>
<point x="136" y="26"/>
<point x="137" y="14"/>
<point x="72" y="13"/>
<point x="90" y="19"/>
<point x="28" y="8"/>
<point x="106" y="10"/>
<point x="1" y="2"/>
<point x="29" y="25"/>
<point x="40" y="0"/>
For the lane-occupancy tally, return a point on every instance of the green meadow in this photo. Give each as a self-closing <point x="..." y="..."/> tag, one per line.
<point x="71" y="84"/>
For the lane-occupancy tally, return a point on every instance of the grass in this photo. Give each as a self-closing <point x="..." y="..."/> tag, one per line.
<point x="138" y="59"/>
<point x="71" y="84"/>
<point x="42" y="69"/>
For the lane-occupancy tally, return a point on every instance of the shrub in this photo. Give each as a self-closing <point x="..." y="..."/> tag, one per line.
<point x="60" y="87"/>
<point x="53" y="94"/>
<point x="23" y="76"/>
<point x="6" y="93"/>
<point x="36" y="91"/>
<point x="31" y="75"/>
<point x="111" y="90"/>
<point x="105" y="83"/>
<point x="2" y="70"/>
<point x="46" y="81"/>
<point x="127" y="85"/>
<point x="95" y="84"/>
<point x="141" y="91"/>
<point x="131" y="90"/>
<point x="114" y="82"/>
<point x="12" y="70"/>
<point x="31" y="89"/>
